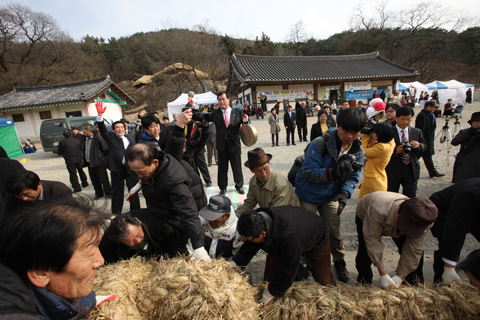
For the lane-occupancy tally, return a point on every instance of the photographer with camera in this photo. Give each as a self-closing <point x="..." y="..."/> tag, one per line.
<point x="404" y="167"/>
<point x="427" y="123"/>
<point x="329" y="173"/>
<point x="467" y="162"/>
<point x="378" y="147"/>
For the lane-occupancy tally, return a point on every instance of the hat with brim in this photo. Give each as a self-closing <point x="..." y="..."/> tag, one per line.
<point x="257" y="157"/>
<point x="415" y="215"/>
<point x="475" y="117"/>
<point x="124" y="120"/>
<point x="216" y="208"/>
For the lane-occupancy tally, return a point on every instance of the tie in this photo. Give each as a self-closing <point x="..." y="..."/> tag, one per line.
<point x="226" y="122"/>
<point x="405" y="156"/>
<point x="226" y="118"/>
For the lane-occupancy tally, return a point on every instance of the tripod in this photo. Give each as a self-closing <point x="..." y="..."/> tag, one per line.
<point x="456" y="125"/>
<point x="446" y="136"/>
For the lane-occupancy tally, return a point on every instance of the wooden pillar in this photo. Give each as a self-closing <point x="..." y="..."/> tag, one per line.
<point x="315" y="91"/>
<point x="285" y="101"/>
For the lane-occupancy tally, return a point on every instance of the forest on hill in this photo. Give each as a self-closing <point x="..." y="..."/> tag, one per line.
<point x="34" y="51"/>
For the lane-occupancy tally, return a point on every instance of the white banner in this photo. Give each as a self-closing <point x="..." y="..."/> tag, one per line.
<point x="287" y="94"/>
<point x="364" y="85"/>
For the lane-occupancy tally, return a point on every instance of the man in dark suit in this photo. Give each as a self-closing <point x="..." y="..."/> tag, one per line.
<point x="427" y="123"/>
<point x="95" y="150"/>
<point x="289" y="121"/>
<point x="120" y="171"/>
<point x="404" y="167"/>
<point x="128" y="132"/>
<point x="26" y="189"/>
<point x="71" y="150"/>
<point x="228" y="122"/>
<point x="301" y="122"/>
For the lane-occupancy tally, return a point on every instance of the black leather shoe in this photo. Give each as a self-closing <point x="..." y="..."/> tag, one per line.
<point x="293" y="144"/>
<point x="208" y="184"/>
<point x="223" y="192"/>
<point x="240" y="190"/>
<point x="85" y="184"/>
<point x="341" y="268"/>
<point x="77" y="190"/>
<point x="288" y="144"/>
<point x="437" y="174"/>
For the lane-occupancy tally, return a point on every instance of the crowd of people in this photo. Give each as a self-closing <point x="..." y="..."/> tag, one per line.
<point x="63" y="239"/>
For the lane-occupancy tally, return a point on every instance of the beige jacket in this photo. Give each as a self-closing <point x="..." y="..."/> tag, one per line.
<point x="377" y="211"/>
<point x="277" y="191"/>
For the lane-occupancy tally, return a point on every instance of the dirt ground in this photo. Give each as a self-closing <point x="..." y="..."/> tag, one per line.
<point x="50" y="166"/>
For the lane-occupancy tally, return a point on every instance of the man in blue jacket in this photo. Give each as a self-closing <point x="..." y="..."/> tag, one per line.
<point x="328" y="176"/>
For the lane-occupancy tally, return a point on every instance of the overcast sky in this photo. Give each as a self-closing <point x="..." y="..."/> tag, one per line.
<point x="242" y="19"/>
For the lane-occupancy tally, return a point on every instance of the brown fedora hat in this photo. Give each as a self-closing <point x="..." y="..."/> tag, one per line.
<point x="257" y="157"/>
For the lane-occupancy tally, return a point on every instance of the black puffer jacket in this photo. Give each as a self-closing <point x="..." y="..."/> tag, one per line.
<point x="174" y="146"/>
<point x="168" y="195"/>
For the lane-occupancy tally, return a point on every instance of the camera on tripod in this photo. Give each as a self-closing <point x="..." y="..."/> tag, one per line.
<point x="349" y="158"/>
<point x="407" y="147"/>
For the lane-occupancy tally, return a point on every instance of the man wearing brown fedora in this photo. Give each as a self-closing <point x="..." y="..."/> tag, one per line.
<point x="383" y="213"/>
<point x="267" y="188"/>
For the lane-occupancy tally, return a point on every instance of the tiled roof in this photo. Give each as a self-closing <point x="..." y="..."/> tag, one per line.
<point x="264" y="69"/>
<point x="59" y="94"/>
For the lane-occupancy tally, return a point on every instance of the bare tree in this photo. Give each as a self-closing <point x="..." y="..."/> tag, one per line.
<point x="381" y="20"/>
<point x="297" y="35"/>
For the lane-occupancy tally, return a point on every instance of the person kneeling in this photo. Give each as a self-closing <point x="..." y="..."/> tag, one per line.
<point x="286" y="233"/>
<point x="219" y="224"/>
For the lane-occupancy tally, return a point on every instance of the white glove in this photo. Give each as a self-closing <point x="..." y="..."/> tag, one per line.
<point x="134" y="190"/>
<point x="398" y="281"/>
<point x="231" y="262"/>
<point x="386" y="282"/>
<point x="200" y="254"/>
<point x="267" y="297"/>
<point x="450" y="275"/>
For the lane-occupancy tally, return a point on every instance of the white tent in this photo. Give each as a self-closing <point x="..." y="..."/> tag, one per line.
<point x="452" y="89"/>
<point x="176" y="106"/>
<point x="408" y="86"/>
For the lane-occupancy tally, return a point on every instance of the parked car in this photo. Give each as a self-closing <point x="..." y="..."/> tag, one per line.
<point x="51" y="130"/>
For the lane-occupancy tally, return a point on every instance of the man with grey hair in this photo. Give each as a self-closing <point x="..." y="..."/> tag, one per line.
<point x="95" y="150"/>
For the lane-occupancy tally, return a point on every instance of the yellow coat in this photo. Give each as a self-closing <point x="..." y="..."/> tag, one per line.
<point x="377" y="156"/>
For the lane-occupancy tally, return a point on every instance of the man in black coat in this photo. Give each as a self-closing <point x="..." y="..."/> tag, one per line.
<point x="116" y="162"/>
<point x="404" y="167"/>
<point x="136" y="233"/>
<point x="71" y="150"/>
<point x="286" y="233"/>
<point x="228" y="122"/>
<point x="427" y="122"/>
<point x="95" y="151"/>
<point x="165" y="186"/>
<point x="8" y="168"/>
<point x="458" y="214"/>
<point x="289" y="121"/>
<point x="26" y="189"/>
<point x="301" y="122"/>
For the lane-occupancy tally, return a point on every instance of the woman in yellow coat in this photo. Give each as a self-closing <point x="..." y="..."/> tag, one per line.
<point x="378" y="147"/>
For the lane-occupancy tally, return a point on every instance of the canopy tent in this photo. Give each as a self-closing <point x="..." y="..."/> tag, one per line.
<point x="9" y="139"/>
<point x="452" y="89"/>
<point x="176" y="106"/>
<point x="408" y="86"/>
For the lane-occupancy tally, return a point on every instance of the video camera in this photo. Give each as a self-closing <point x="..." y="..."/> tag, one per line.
<point x="202" y="116"/>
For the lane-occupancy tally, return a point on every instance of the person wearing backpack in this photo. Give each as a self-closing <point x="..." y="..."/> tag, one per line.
<point x="330" y="171"/>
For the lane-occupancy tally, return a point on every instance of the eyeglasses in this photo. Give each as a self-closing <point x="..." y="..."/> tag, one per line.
<point x="390" y="111"/>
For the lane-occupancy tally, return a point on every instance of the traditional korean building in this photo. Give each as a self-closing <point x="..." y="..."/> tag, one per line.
<point x="328" y="78"/>
<point x="29" y="106"/>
